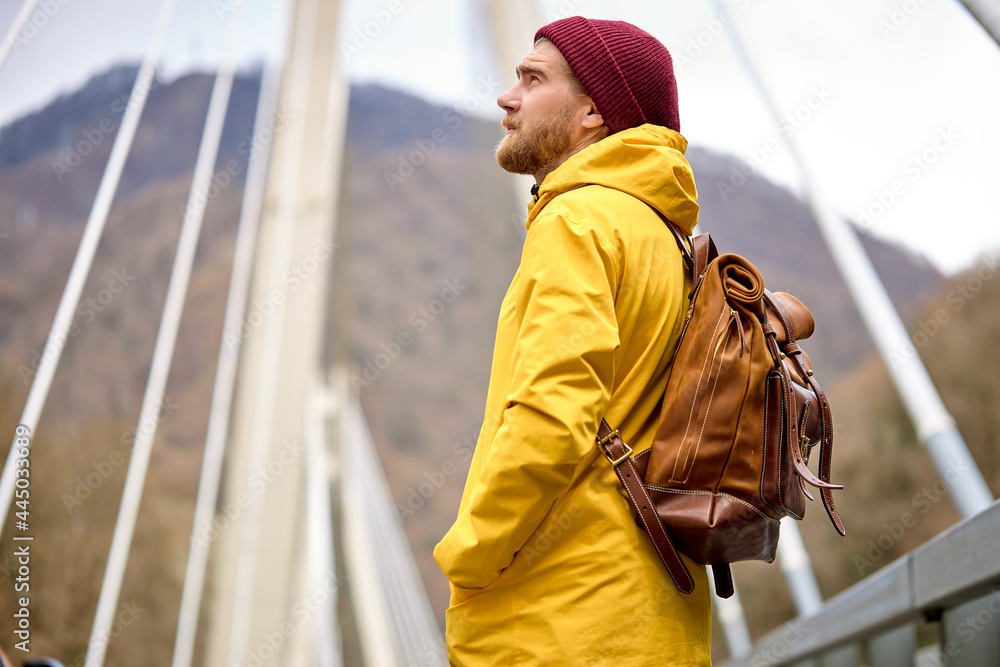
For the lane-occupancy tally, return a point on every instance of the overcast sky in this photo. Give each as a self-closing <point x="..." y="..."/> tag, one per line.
<point x="893" y="102"/>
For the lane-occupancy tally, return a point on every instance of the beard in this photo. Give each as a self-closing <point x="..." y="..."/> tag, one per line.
<point x="535" y="150"/>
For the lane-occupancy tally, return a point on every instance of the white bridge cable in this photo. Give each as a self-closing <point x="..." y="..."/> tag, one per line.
<point x="935" y="427"/>
<point x="59" y="333"/>
<point x="987" y="13"/>
<point x="19" y="22"/>
<point x="225" y="374"/>
<point x="166" y="339"/>
<point x="299" y="83"/>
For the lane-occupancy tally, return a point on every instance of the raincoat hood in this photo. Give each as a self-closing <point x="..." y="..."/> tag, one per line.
<point x="646" y="162"/>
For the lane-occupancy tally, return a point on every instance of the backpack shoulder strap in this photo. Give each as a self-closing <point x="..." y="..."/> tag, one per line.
<point x="698" y="251"/>
<point x="704" y="252"/>
<point x="610" y="443"/>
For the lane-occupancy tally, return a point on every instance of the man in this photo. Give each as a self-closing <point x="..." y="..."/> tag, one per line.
<point x="546" y="561"/>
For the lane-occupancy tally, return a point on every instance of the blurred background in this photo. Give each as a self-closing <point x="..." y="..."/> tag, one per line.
<point x="388" y="262"/>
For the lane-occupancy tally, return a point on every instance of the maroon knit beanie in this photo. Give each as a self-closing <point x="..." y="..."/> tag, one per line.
<point x="626" y="71"/>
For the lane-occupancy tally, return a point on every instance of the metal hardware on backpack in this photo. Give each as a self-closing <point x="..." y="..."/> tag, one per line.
<point x="741" y="412"/>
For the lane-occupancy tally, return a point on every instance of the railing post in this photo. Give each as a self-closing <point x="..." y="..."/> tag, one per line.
<point x="895" y="648"/>
<point x="843" y="657"/>
<point x="970" y="632"/>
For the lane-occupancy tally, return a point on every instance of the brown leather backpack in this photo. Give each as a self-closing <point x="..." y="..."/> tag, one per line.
<point x="740" y="414"/>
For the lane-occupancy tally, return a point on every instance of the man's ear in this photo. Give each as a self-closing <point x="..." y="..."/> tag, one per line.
<point x="593" y="119"/>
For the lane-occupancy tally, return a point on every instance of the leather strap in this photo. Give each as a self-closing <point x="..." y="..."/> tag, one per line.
<point x="786" y="319"/>
<point x="683" y="242"/>
<point x="704" y="252"/>
<point x="825" y="451"/>
<point x="698" y="256"/>
<point x="615" y="449"/>
<point x="723" y="580"/>
<point x="826" y="441"/>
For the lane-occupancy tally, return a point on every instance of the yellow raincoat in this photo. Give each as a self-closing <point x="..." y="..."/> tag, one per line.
<point x="547" y="564"/>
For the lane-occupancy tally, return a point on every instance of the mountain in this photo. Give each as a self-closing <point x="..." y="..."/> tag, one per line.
<point x="86" y="432"/>
<point x="430" y="232"/>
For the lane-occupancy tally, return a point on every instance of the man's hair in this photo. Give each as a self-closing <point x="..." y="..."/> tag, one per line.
<point x="574" y="82"/>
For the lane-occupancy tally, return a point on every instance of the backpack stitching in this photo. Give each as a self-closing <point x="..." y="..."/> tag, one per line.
<point x="698" y="492"/>
<point x="708" y="408"/>
<point x="673" y="473"/>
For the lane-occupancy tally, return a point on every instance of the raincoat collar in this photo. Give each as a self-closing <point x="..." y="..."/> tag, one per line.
<point x="646" y="162"/>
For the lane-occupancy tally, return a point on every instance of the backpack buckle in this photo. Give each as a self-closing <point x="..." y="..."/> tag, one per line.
<point x="609" y="438"/>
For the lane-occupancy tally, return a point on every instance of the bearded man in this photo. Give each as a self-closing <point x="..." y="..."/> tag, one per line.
<point x="546" y="562"/>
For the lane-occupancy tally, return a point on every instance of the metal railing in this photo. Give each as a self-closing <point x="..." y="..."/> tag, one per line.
<point x="396" y="623"/>
<point x="934" y="582"/>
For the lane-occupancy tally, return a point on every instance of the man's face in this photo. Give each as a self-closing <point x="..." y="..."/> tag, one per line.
<point x="544" y="115"/>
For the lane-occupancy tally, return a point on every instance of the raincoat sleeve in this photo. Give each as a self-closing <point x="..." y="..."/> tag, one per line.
<point x="562" y="370"/>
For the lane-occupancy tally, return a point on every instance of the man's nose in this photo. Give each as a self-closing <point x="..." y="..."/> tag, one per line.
<point x="508" y="101"/>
